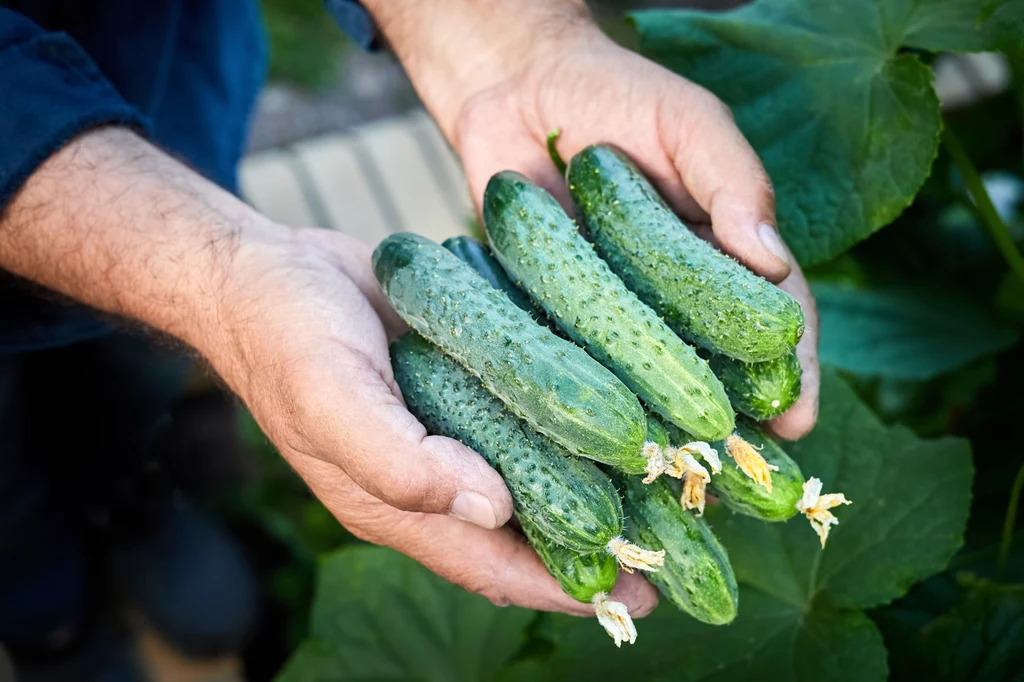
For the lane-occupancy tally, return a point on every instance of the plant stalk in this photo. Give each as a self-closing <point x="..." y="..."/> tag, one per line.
<point x="1009" y="523"/>
<point x="990" y="218"/>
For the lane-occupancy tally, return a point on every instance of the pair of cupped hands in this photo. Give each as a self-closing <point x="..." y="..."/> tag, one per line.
<point x="321" y="383"/>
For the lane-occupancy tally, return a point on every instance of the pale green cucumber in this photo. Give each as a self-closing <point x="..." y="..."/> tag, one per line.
<point x="707" y="297"/>
<point x="696" y="576"/>
<point x="540" y="248"/>
<point x="742" y="495"/>
<point x="550" y="383"/>
<point x="569" y="499"/>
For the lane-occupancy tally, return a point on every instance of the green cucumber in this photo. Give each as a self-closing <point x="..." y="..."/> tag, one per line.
<point x="550" y="383"/>
<point x="760" y="390"/>
<point x="657" y="432"/>
<point x="540" y="248"/>
<point x="477" y="255"/>
<point x="587" y="578"/>
<point x="580" y="575"/>
<point x="696" y="576"/>
<point x="707" y="297"/>
<point x="743" y="495"/>
<point x="569" y="499"/>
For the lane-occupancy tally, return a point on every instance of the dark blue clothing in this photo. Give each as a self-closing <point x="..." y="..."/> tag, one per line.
<point x="80" y="406"/>
<point x="186" y="72"/>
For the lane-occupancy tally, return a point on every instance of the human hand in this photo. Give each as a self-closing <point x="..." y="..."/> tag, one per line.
<point x="315" y="372"/>
<point x="521" y="69"/>
<point x="295" y="324"/>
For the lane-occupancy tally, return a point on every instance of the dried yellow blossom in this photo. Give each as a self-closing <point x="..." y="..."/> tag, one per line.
<point x="695" y="482"/>
<point x="615" y="619"/>
<point x="706" y="452"/>
<point x="749" y="460"/>
<point x="630" y="556"/>
<point x="815" y="507"/>
<point x="656" y="461"/>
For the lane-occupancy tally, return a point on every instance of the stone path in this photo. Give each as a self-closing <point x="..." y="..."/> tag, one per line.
<point x="389" y="176"/>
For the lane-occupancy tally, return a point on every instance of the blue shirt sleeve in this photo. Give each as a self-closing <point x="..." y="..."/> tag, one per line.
<point x="356" y="22"/>
<point x="51" y="92"/>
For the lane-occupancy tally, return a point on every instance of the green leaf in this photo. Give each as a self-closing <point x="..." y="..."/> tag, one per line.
<point x="904" y="333"/>
<point x="982" y="638"/>
<point x="800" y="614"/>
<point x="379" y="615"/>
<point x="846" y="123"/>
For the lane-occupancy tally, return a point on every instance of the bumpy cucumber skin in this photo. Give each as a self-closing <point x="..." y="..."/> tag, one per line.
<point x="742" y="495"/>
<point x="657" y="432"/>
<point x="580" y="576"/>
<point x="477" y="255"/>
<point x="760" y="390"/>
<point x="569" y="499"/>
<point x="697" y="576"/>
<point x="708" y="298"/>
<point x="550" y="383"/>
<point x="540" y="248"/>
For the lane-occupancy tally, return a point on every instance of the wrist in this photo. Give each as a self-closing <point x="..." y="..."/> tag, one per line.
<point x="453" y="51"/>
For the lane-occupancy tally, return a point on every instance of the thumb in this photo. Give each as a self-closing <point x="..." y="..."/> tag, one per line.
<point x="400" y="465"/>
<point x="725" y="177"/>
<point x="388" y="453"/>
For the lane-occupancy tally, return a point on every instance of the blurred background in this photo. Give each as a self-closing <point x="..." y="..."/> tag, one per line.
<point x="339" y="140"/>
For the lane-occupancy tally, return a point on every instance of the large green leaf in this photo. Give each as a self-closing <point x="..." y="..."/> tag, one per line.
<point x="982" y="638"/>
<point x="904" y="333"/>
<point x="846" y="123"/>
<point x="800" y="612"/>
<point x="379" y="615"/>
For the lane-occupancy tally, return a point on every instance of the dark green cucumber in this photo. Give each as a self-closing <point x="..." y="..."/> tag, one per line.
<point x="742" y="495"/>
<point x="550" y="383"/>
<point x="696" y="576"/>
<point x="657" y="432"/>
<point x="477" y="255"/>
<point x="569" y="499"/>
<point x="581" y="576"/>
<point x="707" y="297"/>
<point x="760" y="390"/>
<point x="540" y="248"/>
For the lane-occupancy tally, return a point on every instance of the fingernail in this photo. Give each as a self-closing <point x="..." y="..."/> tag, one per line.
<point x="770" y="238"/>
<point x="475" y="508"/>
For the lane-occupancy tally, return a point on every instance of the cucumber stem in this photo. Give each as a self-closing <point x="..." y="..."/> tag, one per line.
<point x="615" y="619"/>
<point x="630" y="556"/>
<point x="1009" y="523"/>
<point x="990" y="218"/>
<point x="556" y="158"/>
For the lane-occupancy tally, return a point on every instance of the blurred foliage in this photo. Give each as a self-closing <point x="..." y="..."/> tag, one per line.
<point x="306" y="45"/>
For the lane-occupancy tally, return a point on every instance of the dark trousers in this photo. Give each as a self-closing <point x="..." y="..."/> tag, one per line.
<point x="77" y="469"/>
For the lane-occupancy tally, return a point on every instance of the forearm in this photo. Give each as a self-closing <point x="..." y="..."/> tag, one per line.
<point x="111" y="221"/>
<point x="453" y="49"/>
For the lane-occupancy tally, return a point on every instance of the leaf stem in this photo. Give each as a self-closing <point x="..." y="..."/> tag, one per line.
<point x="556" y="158"/>
<point x="990" y="218"/>
<point x="1009" y="523"/>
